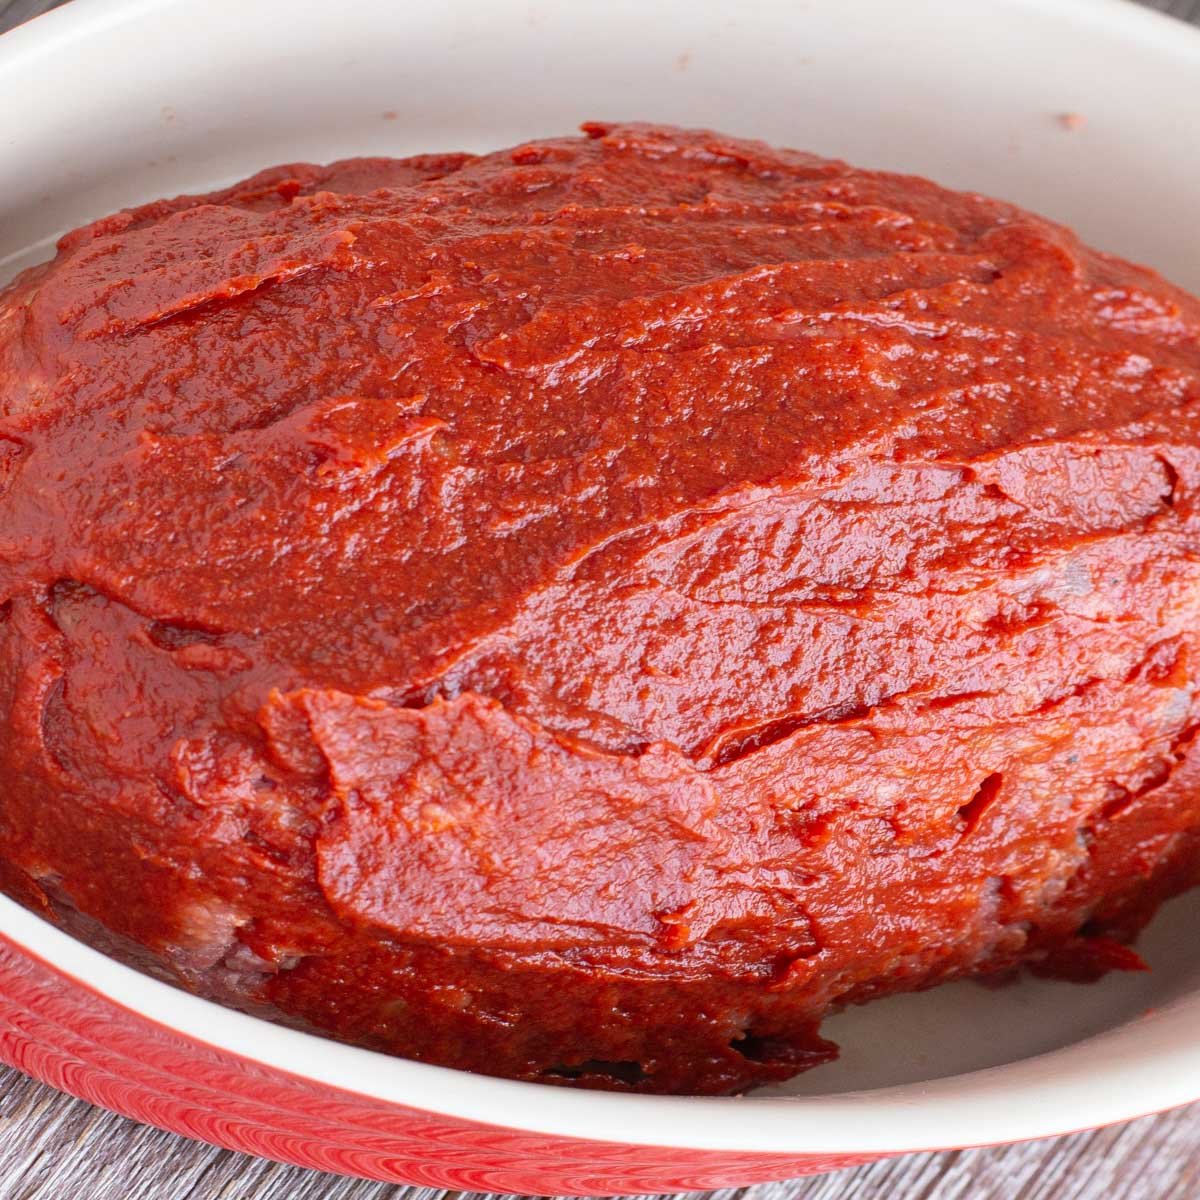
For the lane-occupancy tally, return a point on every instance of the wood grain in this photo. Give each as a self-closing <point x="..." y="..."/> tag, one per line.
<point x="13" y="12"/>
<point x="56" y="1148"/>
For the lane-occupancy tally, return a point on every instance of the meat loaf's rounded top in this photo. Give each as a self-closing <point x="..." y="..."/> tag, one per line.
<point x="499" y="552"/>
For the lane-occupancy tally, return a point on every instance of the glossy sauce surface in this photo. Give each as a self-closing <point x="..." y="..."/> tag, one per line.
<point x="583" y="611"/>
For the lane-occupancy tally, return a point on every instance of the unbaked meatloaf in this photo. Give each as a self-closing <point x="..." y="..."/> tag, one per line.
<point x="584" y="613"/>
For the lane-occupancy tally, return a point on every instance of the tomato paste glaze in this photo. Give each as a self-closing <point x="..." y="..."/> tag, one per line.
<point x="583" y="613"/>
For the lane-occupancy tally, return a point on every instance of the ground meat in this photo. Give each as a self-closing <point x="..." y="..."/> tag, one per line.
<point x="585" y="612"/>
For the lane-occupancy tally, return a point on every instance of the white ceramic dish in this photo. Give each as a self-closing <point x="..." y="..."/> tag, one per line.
<point x="110" y="102"/>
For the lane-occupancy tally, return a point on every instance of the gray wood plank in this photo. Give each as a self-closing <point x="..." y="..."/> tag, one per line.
<point x="55" y="1148"/>
<point x="1186" y="10"/>
<point x="13" y="12"/>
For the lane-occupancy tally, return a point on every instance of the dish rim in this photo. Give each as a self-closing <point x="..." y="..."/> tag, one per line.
<point x="1148" y="1064"/>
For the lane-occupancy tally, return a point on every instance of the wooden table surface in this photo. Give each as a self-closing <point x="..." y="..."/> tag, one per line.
<point x="55" y="1148"/>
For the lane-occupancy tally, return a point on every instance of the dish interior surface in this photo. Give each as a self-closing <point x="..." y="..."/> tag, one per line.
<point x="130" y="117"/>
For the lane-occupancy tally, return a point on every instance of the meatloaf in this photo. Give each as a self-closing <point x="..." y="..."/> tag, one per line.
<point x="584" y="613"/>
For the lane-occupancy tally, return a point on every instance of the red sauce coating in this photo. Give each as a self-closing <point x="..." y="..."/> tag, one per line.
<point x="584" y="612"/>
